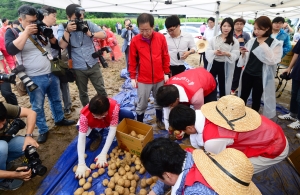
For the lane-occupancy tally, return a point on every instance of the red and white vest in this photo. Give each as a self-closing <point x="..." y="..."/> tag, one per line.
<point x="99" y="123"/>
<point x="268" y="140"/>
<point x="194" y="79"/>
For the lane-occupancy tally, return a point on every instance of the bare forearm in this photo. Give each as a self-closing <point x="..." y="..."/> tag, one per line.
<point x="100" y="35"/>
<point x="8" y="174"/>
<point x="294" y="59"/>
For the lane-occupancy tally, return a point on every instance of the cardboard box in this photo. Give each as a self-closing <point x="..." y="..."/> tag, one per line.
<point x="130" y="143"/>
<point x="294" y="159"/>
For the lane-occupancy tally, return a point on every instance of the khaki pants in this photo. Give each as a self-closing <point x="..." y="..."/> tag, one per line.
<point x="95" y="76"/>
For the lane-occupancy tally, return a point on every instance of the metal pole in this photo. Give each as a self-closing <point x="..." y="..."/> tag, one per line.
<point x="217" y="19"/>
<point x="79" y="2"/>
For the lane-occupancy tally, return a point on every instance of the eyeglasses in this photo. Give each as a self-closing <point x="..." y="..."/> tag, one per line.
<point x="100" y="116"/>
<point x="171" y="30"/>
<point x="145" y="30"/>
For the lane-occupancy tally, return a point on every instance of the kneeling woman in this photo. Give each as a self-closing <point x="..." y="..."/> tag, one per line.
<point x="101" y="112"/>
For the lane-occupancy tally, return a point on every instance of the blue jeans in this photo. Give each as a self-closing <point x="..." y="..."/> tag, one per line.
<point x="10" y="151"/>
<point x="295" y="99"/>
<point x="48" y="85"/>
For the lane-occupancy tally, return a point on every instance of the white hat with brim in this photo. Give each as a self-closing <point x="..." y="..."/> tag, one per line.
<point x="201" y="45"/>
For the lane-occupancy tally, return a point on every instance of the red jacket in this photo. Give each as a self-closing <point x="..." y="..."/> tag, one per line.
<point x="99" y="123"/>
<point x="154" y="59"/>
<point x="268" y="140"/>
<point x="194" y="79"/>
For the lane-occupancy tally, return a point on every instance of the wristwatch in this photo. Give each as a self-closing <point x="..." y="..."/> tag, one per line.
<point x="92" y="35"/>
<point x="29" y="135"/>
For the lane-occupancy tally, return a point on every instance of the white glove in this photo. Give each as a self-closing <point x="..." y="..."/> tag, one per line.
<point x="133" y="83"/>
<point x="166" y="77"/>
<point x="101" y="160"/>
<point x="80" y="171"/>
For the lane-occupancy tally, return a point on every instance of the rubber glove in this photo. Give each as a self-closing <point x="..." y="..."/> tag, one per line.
<point x="80" y="171"/>
<point x="133" y="83"/>
<point x="166" y="77"/>
<point x="101" y="160"/>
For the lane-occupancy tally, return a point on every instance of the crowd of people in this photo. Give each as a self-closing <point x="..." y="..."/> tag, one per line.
<point x="221" y="128"/>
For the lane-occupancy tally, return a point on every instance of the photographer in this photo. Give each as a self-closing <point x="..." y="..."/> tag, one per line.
<point x="127" y="34"/>
<point x="78" y="37"/>
<point x="12" y="148"/>
<point x="37" y="65"/>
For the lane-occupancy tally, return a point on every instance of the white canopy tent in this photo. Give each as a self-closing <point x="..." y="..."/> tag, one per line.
<point x="246" y="8"/>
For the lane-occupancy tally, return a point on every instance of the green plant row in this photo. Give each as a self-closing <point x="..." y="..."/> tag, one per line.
<point x="111" y="22"/>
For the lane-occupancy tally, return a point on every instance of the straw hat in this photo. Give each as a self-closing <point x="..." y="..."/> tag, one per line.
<point x="235" y="163"/>
<point x="231" y="113"/>
<point x="201" y="45"/>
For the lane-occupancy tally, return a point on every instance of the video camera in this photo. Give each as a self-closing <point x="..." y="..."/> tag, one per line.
<point x="19" y="70"/>
<point x="42" y="27"/>
<point x="81" y="25"/>
<point x="99" y="53"/>
<point x="33" y="162"/>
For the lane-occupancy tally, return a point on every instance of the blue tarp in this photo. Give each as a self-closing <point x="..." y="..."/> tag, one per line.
<point x="277" y="180"/>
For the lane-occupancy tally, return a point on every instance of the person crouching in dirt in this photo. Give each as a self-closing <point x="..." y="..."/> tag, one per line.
<point x="101" y="112"/>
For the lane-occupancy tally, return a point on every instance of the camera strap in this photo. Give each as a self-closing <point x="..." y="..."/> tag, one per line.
<point x="17" y="35"/>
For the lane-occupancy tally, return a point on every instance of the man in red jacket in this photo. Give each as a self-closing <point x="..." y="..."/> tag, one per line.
<point x="228" y="123"/>
<point x="149" y="65"/>
<point x="192" y="87"/>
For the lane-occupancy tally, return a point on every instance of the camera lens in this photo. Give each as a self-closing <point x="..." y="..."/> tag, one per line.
<point x="41" y="170"/>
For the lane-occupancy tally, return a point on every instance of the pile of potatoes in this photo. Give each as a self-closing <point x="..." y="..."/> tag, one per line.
<point x="139" y="136"/>
<point x="124" y="176"/>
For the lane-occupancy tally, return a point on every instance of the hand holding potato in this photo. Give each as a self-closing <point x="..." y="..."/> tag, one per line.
<point x="80" y="172"/>
<point x="101" y="160"/>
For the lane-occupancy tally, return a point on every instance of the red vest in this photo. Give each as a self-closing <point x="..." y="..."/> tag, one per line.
<point x="194" y="79"/>
<point x="268" y="140"/>
<point x="99" y="123"/>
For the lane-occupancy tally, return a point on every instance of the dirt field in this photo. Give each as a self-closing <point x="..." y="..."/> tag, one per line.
<point x="60" y="137"/>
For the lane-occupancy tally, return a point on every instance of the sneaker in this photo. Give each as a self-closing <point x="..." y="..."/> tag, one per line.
<point x="298" y="135"/>
<point x="160" y="125"/>
<point x="67" y="111"/>
<point x="287" y="117"/>
<point x="10" y="184"/>
<point x="295" y="125"/>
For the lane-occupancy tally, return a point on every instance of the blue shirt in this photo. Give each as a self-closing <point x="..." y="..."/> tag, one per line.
<point x="196" y="189"/>
<point x="295" y="74"/>
<point x="283" y="36"/>
<point x="82" y="47"/>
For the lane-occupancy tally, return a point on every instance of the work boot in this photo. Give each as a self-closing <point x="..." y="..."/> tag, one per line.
<point x="96" y="138"/>
<point x="159" y="123"/>
<point x="140" y="117"/>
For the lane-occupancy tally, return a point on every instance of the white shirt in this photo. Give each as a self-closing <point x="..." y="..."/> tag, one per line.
<point x="209" y="33"/>
<point x="274" y="35"/>
<point x="179" y="44"/>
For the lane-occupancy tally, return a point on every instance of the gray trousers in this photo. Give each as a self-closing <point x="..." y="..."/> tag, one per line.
<point x="82" y="78"/>
<point x="143" y="92"/>
<point x="65" y="92"/>
<point x="127" y="57"/>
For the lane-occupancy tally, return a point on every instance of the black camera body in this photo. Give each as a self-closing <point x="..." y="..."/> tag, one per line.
<point x="15" y="127"/>
<point x="42" y="27"/>
<point x="10" y="78"/>
<point x="99" y="53"/>
<point x="81" y="25"/>
<point x="285" y="76"/>
<point x="130" y="25"/>
<point x="33" y="162"/>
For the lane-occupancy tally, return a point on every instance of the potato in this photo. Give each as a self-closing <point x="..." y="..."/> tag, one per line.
<point x="176" y="132"/>
<point x="75" y="168"/>
<point x="105" y="182"/>
<point x="132" y="160"/>
<point x="120" y="190"/>
<point x="126" y="183"/>
<point x="81" y="182"/>
<point x="121" y="171"/>
<point x="130" y="177"/>
<point x="102" y="194"/>
<point x="79" y="191"/>
<point x="126" y="191"/>
<point x="140" y="136"/>
<point x="112" y="179"/>
<point x="143" y="192"/>
<point x="136" y="177"/>
<point x="111" y="155"/>
<point x="137" y="161"/>
<point x="152" y="185"/>
<point x="111" y="185"/>
<point x="131" y="194"/>
<point x="115" y="193"/>
<point x="101" y="171"/>
<point x="116" y="178"/>
<point x="124" y="177"/>
<point x="87" y="173"/>
<point x="133" y="133"/>
<point x="85" y="193"/>
<point x="132" y="189"/>
<point x="133" y="183"/>
<point x="90" y="179"/>
<point x="108" y="191"/>
<point x="113" y="166"/>
<point x="91" y="193"/>
<point x="121" y="182"/>
<point x="93" y="166"/>
<point x="107" y="156"/>
<point x="85" y="155"/>
<point x="142" y="170"/>
<point x="143" y="183"/>
<point x="127" y="167"/>
<point x="95" y="175"/>
<point x="149" y="181"/>
<point x="110" y="173"/>
<point x="137" y="167"/>
<point x="155" y="178"/>
<point x="87" y="186"/>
